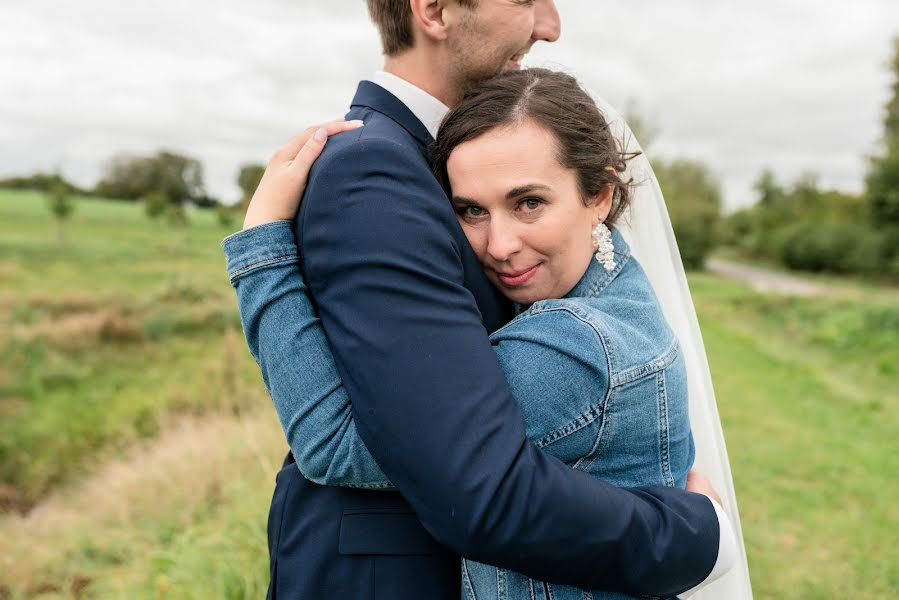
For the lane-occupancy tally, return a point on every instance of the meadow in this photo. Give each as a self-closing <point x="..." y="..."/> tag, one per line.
<point x="138" y="448"/>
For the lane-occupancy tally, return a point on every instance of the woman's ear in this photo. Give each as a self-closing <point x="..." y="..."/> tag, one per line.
<point x="602" y="204"/>
<point x="429" y="18"/>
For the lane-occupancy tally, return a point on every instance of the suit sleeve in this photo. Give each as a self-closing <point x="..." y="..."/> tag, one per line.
<point x="432" y="406"/>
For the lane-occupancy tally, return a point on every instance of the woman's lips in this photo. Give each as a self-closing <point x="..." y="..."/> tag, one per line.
<point x="517" y="279"/>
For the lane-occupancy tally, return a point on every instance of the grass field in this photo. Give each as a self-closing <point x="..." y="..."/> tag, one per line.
<point x="138" y="449"/>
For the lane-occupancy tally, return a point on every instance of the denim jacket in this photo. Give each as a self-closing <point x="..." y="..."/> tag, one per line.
<point x="598" y="374"/>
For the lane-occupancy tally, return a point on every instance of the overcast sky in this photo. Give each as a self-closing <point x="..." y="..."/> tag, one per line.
<point x="795" y="85"/>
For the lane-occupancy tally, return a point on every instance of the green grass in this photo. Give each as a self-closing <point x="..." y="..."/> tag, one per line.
<point x="806" y="391"/>
<point x="105" y="337"/>
<point x="134" y="417"/>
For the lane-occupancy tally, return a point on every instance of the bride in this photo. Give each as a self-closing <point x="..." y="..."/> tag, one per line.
<point x="603" y="372"/>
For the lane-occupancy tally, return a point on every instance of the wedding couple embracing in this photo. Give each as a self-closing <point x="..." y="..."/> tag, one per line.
<point x="477" y="334"/>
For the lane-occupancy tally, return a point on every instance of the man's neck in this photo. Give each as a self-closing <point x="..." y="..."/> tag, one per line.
<point x="422" y="72"/>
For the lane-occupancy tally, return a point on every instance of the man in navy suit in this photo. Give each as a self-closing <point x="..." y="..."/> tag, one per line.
<point x="407" y="309"/>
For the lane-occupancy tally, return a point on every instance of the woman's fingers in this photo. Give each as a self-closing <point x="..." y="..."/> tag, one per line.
<point x="339" y="126"/>
<point x="315" y="143"/>
<point x="278" y="194"/>
<point x="310" y="151"/>
<point x="291" y="149"/>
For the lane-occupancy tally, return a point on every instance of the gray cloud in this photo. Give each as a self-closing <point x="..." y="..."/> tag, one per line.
<point x="796" y="86"/>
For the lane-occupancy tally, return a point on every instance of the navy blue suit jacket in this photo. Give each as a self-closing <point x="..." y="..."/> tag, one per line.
<point x="406" y="309"/>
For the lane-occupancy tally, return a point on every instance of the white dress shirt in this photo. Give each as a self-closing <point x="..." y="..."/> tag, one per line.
<point x="428" y="109"/>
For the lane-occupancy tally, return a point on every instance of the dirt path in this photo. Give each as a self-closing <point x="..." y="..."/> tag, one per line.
<point x="763" y="280"/>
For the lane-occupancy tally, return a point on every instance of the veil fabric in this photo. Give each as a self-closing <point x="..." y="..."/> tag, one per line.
<point x="647" y="229"/>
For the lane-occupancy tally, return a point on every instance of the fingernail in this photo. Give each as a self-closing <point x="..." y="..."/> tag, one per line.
<point x="320" y="135"/>
<point x="357" y="123"/>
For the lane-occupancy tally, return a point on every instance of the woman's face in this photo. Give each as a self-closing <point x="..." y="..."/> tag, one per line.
<point x="522" y="212"/>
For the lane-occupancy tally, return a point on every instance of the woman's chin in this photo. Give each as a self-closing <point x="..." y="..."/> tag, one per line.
<point x="522" y="296"/>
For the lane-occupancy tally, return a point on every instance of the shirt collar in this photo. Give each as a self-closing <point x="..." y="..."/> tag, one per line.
<point x="426" y="108"/>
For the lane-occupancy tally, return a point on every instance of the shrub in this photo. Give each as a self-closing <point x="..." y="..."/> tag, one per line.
<point x="837" y="247"/>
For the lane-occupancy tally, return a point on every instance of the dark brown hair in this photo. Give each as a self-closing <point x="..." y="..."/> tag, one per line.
<point x="393" y="19"/>
<point x="556" y="102"/>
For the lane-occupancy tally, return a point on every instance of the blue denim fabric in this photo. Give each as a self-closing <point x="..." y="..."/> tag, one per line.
<point x="598" y="374"/>
<point x="296" y="362"/>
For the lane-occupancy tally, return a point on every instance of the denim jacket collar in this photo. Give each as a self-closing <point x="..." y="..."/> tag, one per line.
<point x="596" y="278"/>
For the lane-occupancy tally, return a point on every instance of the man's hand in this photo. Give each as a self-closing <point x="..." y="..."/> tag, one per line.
<point x="700" y="484"/>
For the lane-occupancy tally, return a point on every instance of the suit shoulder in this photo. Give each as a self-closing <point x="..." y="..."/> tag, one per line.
<point x="381" y="141"/>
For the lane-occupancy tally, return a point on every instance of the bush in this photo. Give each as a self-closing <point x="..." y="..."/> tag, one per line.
<point x="695" y="241"/>
<point x="693" y="197"/>
<point x="225" y="215"/>
<point x="869" y="255"/>
<point x="837" y="247"/>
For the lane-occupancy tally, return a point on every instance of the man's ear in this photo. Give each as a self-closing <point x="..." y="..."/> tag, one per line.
<point x="429" y="18"/>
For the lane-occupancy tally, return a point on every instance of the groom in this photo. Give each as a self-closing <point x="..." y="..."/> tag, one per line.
<point x="406" y="308"/>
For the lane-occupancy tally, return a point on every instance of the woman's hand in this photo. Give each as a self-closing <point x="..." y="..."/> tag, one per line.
<point x="282" y="185"/>
<point x="700" y="484"/>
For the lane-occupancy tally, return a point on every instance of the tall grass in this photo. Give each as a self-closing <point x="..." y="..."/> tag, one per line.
<point x="182" y="517"/>
<point x="104" y="340"/>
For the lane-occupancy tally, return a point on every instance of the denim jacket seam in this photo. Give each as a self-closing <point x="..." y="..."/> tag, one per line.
<point x="595" y="410"/>
<point x="466" y="581"/>
<point x="660" y="363"/>
<point x="573" y="426"/>
<point x="255" y="229"/>
<point x="588" y="318"/>
<point x="664" y="430"/>
<point x="263" y="263"/>
<point x="587" y="460"/>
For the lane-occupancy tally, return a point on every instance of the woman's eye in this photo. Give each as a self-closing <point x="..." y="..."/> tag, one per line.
<point x="472" y="211"/>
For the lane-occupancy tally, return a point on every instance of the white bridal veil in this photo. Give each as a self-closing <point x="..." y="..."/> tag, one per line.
<point x="647" y="229"/>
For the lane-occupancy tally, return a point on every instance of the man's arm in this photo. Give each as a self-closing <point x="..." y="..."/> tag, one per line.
<point x="431" y="403"/>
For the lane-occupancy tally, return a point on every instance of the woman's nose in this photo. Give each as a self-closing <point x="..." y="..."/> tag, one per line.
<point x="502" y="240"/>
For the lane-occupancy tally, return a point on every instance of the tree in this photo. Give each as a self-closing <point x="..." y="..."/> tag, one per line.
<point x="61" y="205"/>
<point x="177" y="177"/>
<point x="693" y="196"/>
<point x="882" y="181"/>
<point x="225" y="215"/>
<point x="155" y="204"/>
<point x="769" y="191"/>
<point x="42" y="182"/>
<point x="248" y="179"/>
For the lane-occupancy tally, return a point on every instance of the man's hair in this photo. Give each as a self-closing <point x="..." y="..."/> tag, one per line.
<point x="393" y="19"/>
<point x="556" y="102"/>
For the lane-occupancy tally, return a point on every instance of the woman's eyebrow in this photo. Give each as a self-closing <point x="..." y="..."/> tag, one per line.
<point x="525" y="189"/>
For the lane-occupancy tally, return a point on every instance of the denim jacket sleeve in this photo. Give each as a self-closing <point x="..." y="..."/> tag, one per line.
<point x="288" y="342"/>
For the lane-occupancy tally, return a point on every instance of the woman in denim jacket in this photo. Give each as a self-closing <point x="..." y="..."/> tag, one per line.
<point x="534" y="175"/>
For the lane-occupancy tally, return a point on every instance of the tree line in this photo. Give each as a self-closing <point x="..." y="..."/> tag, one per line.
<point x="804" y="227"/>
<point x="167" y="183"/>
<point x="797" y="224"/>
